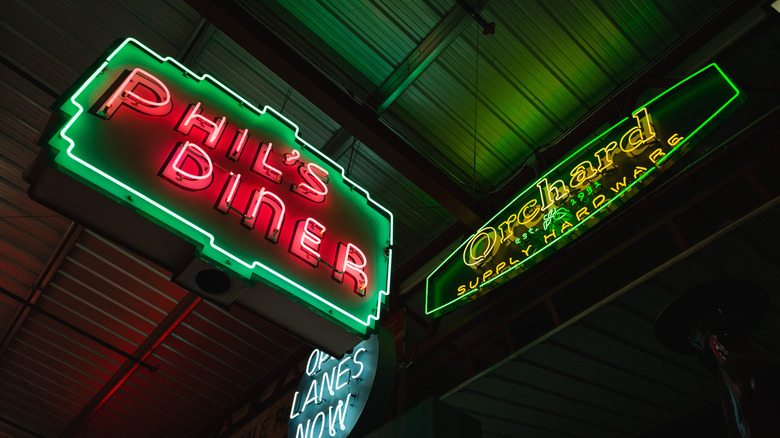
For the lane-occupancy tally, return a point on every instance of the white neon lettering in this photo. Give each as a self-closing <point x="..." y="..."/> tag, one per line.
<point x="357" y="362"/>
<point x="312" y="370"/>
<point x="337" y="381"/>
<point x="125" y="95"/>
<point x="350" y="260"/>
<point x="340" y="373"/>
<point x="314" y="424"/>
<point x="294" y="406"/>
<point x="324" y="357"/>
<point x="327" y="382"/>
<point x="261" y="166"/>
<point x="340" y="414"/>
<point x="309" y="399"/>
<point x="300" y="433"/>
<point x="193" y="119"/>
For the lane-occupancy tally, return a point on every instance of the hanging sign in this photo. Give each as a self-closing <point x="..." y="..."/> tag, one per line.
<point x="582" y="189"/>
<point x="339" y="396"/>
<point x="234" y="180"/>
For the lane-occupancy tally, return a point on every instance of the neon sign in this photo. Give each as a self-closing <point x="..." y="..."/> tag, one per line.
<point x="339" y="396"/>
<point x="582" y="189"/>
<point x="235" y="180"/>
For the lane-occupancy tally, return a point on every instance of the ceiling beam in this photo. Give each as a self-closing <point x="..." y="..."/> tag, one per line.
<point x="357" y="118"/>
<point x="142" y="353"/>
<point x="28" y="302"/>
<point x="450" y="27"/>
<point x="438" y="39"/>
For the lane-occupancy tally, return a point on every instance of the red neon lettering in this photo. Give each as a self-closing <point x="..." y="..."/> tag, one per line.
<point x="261" y="166"/>
<point x="314" y="175"/>
<point x="306" y="241"/>
<point x="350" y="260"/>
<point x="229" y="192"/>
<point x="259" y="198"/>
<point x="193" y="119"/>
<point x="238" y="145"/>
<point x="126" y="95"/>
<point x="291" y="158"/>
<point x="199" y="169"/>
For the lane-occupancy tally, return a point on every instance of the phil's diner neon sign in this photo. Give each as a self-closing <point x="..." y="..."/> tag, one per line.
<point x="235" y="180"/>
<point x="582" y="189"/>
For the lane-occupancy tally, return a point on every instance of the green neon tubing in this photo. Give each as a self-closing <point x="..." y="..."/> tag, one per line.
<point x="250" y="266"/>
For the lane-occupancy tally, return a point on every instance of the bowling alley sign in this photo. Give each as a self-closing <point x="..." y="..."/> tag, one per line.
<point x="233" y="179"/>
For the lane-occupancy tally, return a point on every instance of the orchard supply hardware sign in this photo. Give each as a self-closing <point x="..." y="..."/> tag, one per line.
<point x="235" y="180"/>
<point x="582" y="189"/>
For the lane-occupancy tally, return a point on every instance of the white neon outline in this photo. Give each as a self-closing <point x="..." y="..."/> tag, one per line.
<point x="369" y="322"/>
<point x="194" y="119"/>
<point x="129" y="93"/>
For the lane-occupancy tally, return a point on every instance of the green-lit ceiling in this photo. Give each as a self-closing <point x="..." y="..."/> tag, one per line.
<point x="478" y="108"/>
<point x="547" y="65"/>
<point x="484" y="103"/>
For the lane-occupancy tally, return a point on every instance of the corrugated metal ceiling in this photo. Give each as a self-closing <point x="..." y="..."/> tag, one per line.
<point x="549" y="64"/>
<point x="106" y="346"/>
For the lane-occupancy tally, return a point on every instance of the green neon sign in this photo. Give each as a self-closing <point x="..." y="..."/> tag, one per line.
<point x="235" y="180"/>
<point x="582" y="189"/>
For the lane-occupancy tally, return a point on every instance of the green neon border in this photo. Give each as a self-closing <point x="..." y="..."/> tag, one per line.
<point x="369" y="322"/>
<point x="606" y="204"/>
